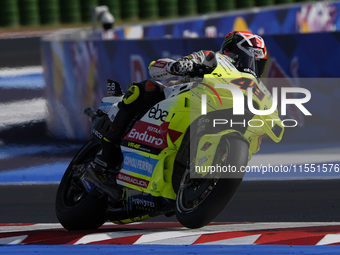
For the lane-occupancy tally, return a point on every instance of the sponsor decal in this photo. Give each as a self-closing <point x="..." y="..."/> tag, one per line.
<point x="139" y="164"/>
<point x="160" y="64"/>
<point x="157" y="113"/>
<point x="154" y="186"/>
<point x="150" y="86"/>
<point x="145" y="137"/>
<point x="133" y="180"/>
<point x="133" y="145"/>
<point x="158" y="76"/>
<point x="248" y="70"/>
<point x="150" y="137"/>
<point x="147" y="134"/>
<point x="97" y="133"/>
<point x="154" y="129"/>
<point x="202" y="160"/>
<point x="89" y="186"/>
<point x="206" y="146"/>
<point x="141" y="147"/>
<point x="142" y="202"/>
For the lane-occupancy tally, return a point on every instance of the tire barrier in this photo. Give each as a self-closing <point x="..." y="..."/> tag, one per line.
<point x="114" y="7"/>
<point x="85" y="9"/>
<point x="204" y="6"/>
<point x="47" y="12"/>
<point x="264" y="2"/>
<point x="9" y="13"/>
<point x="70" y="11"/>
<point x="168" y="8"/>
<point x="129" y="9"/>
<point x="187" y="7"/>
<point x="29" y="12"/>
<point x="223" y="5"/>
<point x="284" y="1"/>
<point x="148" y="9"/>
<point x="245" y="3"/>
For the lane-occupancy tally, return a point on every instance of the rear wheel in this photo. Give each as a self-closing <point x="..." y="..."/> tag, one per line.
<point x="77" y="208"/>
<point x="201" y="200"/>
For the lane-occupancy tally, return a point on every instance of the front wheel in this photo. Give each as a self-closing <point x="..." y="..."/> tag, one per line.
<point x="201" y="200"/>
<point x="77" y="208"/>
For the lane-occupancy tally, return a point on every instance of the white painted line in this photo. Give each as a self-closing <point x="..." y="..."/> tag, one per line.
<point x="40" y="226"/>
<point x="103" y="236"/>
<point x="329" y="239"/>
<point x="12" y="240"/>
<point x="244" y="240"/>
<point x="184" y="240"/>
<point x="147" y="238"/>
<point x="20" y="70"/>
<point x="20" y="112"/>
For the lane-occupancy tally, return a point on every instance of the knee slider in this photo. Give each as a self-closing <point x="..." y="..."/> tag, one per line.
<point x="131" y="94"/>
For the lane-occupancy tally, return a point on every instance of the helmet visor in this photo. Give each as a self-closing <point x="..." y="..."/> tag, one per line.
<point x="244" y="61"/>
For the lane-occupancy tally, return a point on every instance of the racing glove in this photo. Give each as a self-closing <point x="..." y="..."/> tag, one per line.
<point x="189" y="68"/>
<point x="181" y="68"/>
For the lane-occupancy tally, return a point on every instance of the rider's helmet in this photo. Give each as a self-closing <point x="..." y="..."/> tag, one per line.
<point x="247" y="50"/>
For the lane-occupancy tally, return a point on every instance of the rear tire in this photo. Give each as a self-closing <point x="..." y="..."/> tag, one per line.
<point x="76" y="208"/>
<point x="199" y="201"/>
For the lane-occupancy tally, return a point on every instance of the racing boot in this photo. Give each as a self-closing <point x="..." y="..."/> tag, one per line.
<point x="102" y="171"/>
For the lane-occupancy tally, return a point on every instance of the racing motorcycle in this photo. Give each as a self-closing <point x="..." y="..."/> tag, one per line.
<point x="174" y="155"/>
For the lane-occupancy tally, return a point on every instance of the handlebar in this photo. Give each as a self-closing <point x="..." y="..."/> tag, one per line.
<point x="200" y="70"/>
<point x="91" y="113"/>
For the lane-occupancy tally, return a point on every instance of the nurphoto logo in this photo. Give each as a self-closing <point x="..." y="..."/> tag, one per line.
<point x="239" y="105"/>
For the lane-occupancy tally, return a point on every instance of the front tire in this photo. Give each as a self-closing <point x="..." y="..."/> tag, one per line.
<point x="199" y="201"/>
<point x="77" y="208"/>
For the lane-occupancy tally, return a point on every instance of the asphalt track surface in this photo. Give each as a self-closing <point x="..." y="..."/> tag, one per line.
<point x="255" y="201"/>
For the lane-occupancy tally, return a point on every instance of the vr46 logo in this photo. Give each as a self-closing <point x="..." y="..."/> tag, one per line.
<point x="157" y="113"/>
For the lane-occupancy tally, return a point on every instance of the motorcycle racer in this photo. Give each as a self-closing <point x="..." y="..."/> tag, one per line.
<point x="246" y="51"/>
<point x="239" y="46"/>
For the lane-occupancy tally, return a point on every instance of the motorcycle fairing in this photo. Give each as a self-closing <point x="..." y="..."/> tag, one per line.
<point x="171" y="118"/>
<point x="159" y="152"/>
<point x="206" y="150"/>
